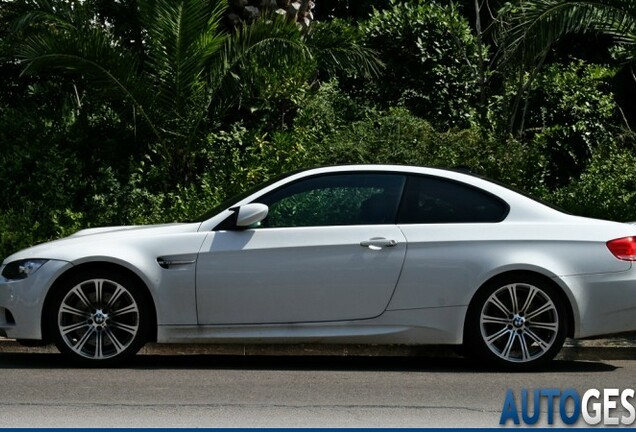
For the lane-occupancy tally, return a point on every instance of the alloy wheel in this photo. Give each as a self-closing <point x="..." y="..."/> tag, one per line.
<point x="98" y="319"/>
<point x="519" y="322"/>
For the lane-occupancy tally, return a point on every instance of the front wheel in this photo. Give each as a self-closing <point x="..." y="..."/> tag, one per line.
<point x="99" y="318"/>
<point x="517" y="323"/>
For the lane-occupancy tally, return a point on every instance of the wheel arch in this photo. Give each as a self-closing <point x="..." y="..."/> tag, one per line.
<point x="99" y="265"/>
<point x="554" y="282"/>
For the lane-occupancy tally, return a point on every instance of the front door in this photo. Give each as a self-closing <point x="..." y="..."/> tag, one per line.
<point x="329" y="250"/>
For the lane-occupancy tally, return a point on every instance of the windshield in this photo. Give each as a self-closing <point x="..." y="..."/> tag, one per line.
<point x="238" y="197"/>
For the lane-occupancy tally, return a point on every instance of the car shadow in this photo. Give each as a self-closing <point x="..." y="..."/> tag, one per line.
<point x="300" y="363"/>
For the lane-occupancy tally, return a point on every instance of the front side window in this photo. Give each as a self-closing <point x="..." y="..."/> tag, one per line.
<point x="437" y="200"/>
<point x="335" y="199"/>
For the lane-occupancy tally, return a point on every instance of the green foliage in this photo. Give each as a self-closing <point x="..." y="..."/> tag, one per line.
<point x="254" y="157"/>
<point x="337" y="47"/>
<point x="606" y="189"/>
<point x="366" y="135"/>
<point x="430" y="55"/>
<point x="270" y="96"/>
<point x="189" y="71"/>
<point x="531" y="27"/>
<point x="35" y="195"/>
<point x="570" y="113"/>
<point x="150" y="111"/>
<point x="139" y="105"/>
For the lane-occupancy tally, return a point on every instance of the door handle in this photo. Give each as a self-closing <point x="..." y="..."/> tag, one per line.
<point x="377" y="243"/>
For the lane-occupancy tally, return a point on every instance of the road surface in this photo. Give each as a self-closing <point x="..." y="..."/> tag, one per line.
<point x="39" y="390"/>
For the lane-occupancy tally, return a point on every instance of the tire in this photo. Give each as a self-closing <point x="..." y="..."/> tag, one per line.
<point x="99" y="317"/>
<point x="516" y="323"/>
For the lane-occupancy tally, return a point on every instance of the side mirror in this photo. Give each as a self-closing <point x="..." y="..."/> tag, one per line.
<point x="250" y="214"/>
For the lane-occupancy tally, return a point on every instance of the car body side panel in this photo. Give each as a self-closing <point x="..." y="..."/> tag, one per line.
<point x="606" y="302"/>
<point x="407" y="327"/>
<point x="446" y="264"/>
<point x="301" y="274"/>
<point x="172" y="289"/>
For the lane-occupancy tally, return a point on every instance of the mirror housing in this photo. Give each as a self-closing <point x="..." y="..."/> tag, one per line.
<point x="250" y="214"/>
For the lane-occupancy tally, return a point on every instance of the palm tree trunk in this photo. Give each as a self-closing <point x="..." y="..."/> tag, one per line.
<point x="305" y="16"/>
<point x="481" y="68"/>
<point x="246" y="10"/>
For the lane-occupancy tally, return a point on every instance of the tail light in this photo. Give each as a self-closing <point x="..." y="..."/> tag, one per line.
<point x="623" y="248"/>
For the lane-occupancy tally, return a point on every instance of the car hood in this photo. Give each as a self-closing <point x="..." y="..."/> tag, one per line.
<point x="90" y="236"/>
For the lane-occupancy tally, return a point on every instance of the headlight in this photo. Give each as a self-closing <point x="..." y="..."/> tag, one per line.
<point x="22" y="269"/>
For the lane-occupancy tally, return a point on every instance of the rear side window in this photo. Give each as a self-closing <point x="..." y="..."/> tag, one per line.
<point x="430" y="200"/>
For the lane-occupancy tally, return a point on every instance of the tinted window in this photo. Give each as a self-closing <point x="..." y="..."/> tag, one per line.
<point x="436" y="200"/>
<point x="339" y="199"/>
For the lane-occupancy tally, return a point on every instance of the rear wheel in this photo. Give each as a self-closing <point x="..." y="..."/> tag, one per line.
<point x="99" y="317"/>
<point x="517" y="323"/>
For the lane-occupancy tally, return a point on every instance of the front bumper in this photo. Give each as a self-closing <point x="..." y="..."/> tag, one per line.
<point x="21" y="301"/>
<point x="605" y="303"/>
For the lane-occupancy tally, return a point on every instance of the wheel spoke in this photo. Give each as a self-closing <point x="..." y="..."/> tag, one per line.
<point x="494" y="300"/>
<point x="73" y="311"/>
<point x="99" y="288"/>
<point x="533" y="292"/>
<point x="496" y="336"/>
<point x="546" y="307"/>
<point x="525" y="352"/>
<point x="113" y="299"/>
<point x="512" y="290"/>
<point x="73" y="327"/>
<point x="511" y="340"/>
<point x="80" y="294"/>
<point x="545" y="326"/>
<point x="119" y="347"/>
<point x="80" y="344"/>
<point x="542" y="344"/>
<point x="99" y="344"/>
<point x="487" y="319"/>
<point x="131" y="308"/>
<point x="125" y="327"/>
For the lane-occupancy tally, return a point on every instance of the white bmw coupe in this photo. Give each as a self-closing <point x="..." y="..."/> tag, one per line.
<point x="372" y="254"/>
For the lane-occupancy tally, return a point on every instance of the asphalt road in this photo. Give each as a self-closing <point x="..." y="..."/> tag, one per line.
<point x="38" y="390"/>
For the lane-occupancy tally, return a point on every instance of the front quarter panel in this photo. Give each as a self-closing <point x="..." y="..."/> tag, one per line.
<point x="24" y="299"/>
<point x="173" y="288"/>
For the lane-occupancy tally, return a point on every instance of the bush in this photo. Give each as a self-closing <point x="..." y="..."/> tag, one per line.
<point x="571" y="113"/>
<point x="605" y="190"/>
<point x="430" y="52"/>
<point x="399" y="137"/>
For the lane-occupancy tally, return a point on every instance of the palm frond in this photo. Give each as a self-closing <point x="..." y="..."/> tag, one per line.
<point x="533" y="26"/>
<point x="61" y="15"/>
<point x="271" y="40"/>
<point x="335" y="46"/>
<point x="91" y="54"/>
<point x="182" y="36"/>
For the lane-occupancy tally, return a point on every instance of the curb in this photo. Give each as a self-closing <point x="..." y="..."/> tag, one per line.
<point x="622" y="348"/>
